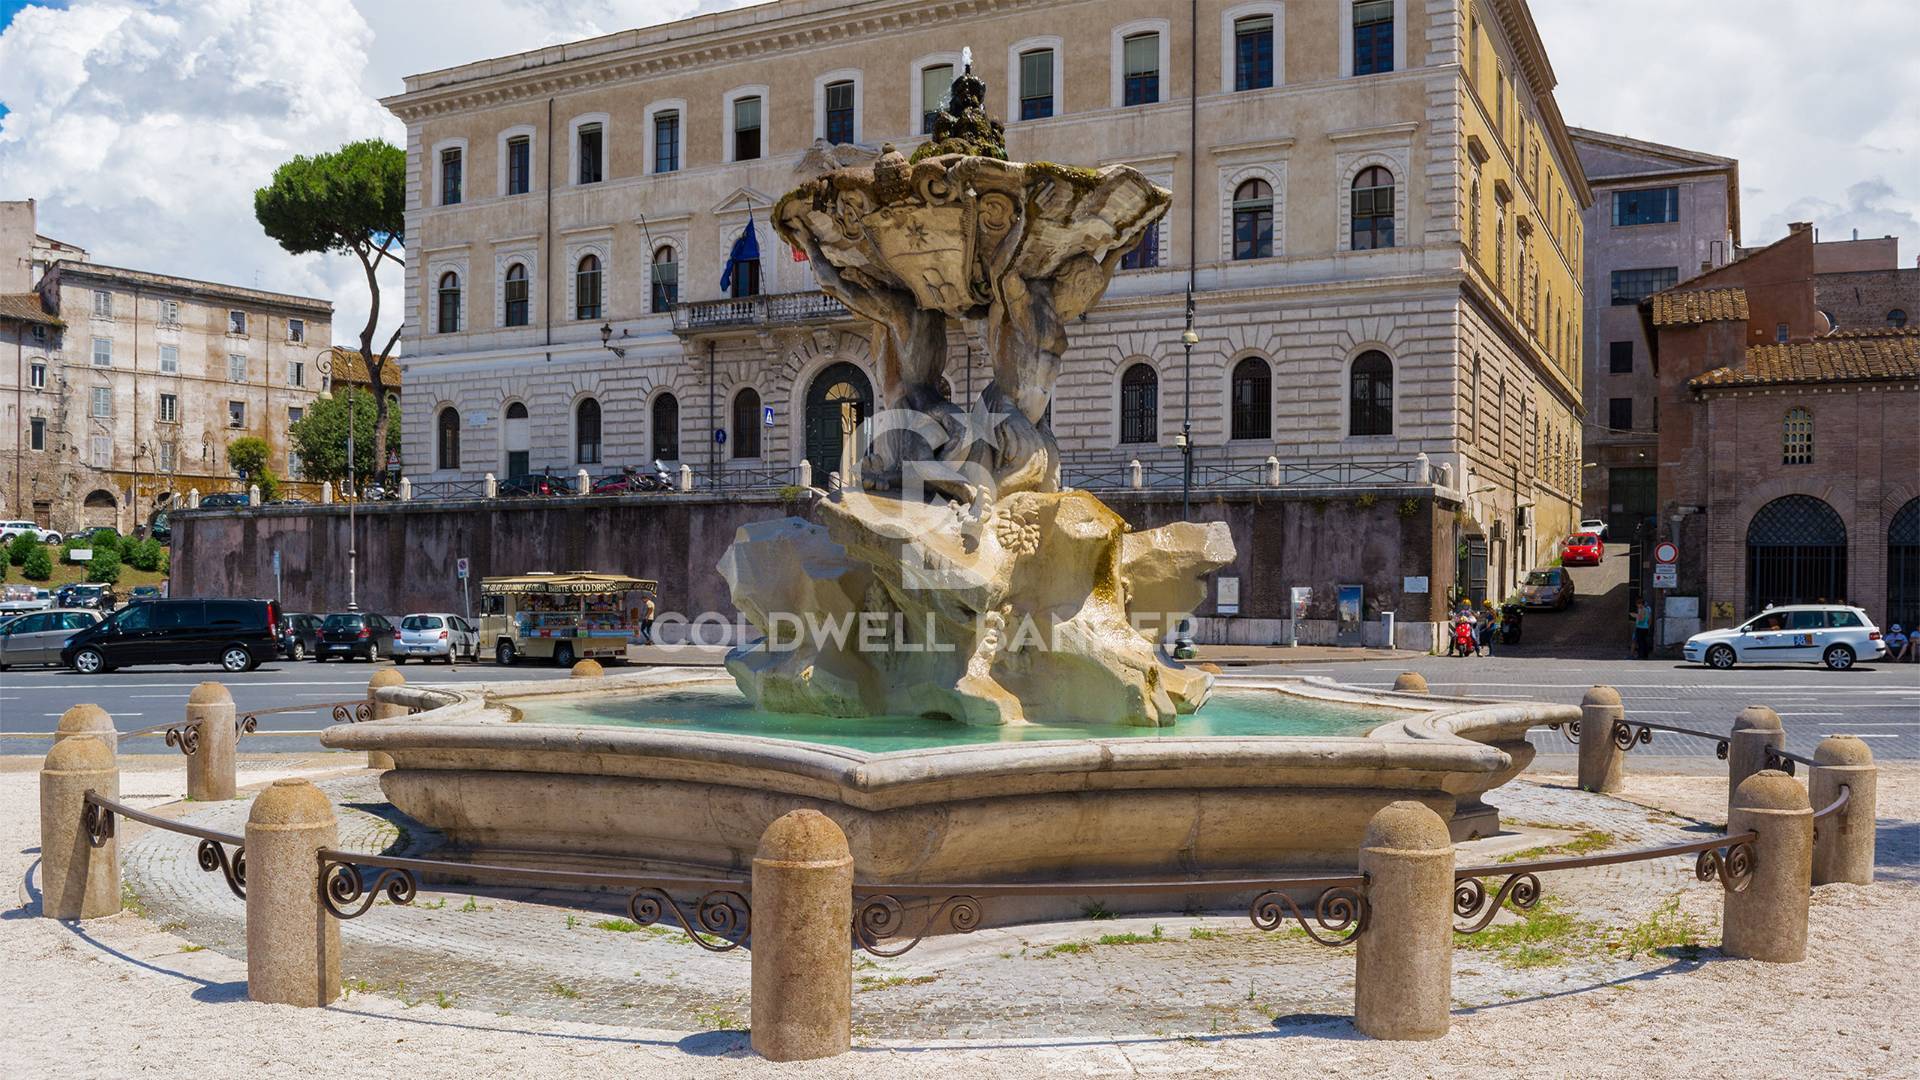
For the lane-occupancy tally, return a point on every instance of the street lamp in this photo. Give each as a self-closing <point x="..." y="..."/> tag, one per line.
<point x="606" y="340"/>
<point x="353" y="554"/>
<point x="1183" y="645"/>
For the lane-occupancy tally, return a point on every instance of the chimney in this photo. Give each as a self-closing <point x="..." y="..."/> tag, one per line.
<point x="1798" y="226"/>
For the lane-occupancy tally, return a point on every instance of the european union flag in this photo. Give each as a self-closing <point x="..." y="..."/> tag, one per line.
<point x="745" y="249"/>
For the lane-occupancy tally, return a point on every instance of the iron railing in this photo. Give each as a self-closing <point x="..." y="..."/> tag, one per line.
<point x="435" y="490"/>
<point x="782" y="309"/>
<point x="1727" y="859"/>
<point x="98" y="819"/>
<point x="1163" y="473"/>
<point x="185" y="735"/>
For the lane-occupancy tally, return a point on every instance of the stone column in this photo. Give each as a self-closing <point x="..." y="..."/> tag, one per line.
<point x="383" y="710"/>
<point x="84" y="720"/>
<point x="1410" y="682"/>
<point x="293" y="944"/>
<point x="1843" y="842"/>
<point x="1754" y="730"/>
<point x="77" y="880"/>
<point x="802" y="939"/>
<point x="1600" y="756"/>
<point x="1403" y="978"/>
<point x="210" y="768"/>
<point x="1768" y="919"/>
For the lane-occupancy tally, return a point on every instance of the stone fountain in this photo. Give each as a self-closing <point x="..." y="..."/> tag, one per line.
<point x="949" y="574"/>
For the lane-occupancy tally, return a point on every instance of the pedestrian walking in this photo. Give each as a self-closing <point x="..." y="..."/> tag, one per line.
<point x="1643" y="630"/>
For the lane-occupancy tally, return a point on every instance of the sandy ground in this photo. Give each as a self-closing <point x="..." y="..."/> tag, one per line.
<point x="119" y="998"/>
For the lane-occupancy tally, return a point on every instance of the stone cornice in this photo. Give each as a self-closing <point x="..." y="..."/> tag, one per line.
<point x="1377" y="131"/>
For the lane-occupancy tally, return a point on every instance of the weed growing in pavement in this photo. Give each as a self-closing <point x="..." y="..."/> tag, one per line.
<point x="443" y="999"/>
<point x="560" y="989"/>
<point x="572" y="922"/>
<point x="888" y="982"/>
<point x="1094" y="909"/>
<point x="1132" y="938"/>
<point x="1541" y="936"/>
<point x="1668" y="929"/>
<point x="434" y="906"/>
<point x="470" y="905"/>
<point x="1586" y="843"/>
<point x="1067" y="948"/>
<point x="130" y="900"/>
<point x="718" y="1019"/>
<point x="1201" y="933"/>
<point x="170" y="927"/>
<point x="193" y="948"/>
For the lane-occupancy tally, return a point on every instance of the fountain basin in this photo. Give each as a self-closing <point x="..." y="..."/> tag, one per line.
<point x="672" y="799"/>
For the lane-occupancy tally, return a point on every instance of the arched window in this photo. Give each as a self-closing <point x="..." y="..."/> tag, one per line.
<point x="1253" y="220"/>
<point x="1796" y="553"/>
<point x="746" y="423"/>
<point x="1372" y="209"/>
<point x="518" y="442"/>
<point x="1140" y="404"/>
<point x="666" y="280"/>
<point x="586" y="288"/>
<point x="586" y="432"/>
<point x="1897" y="318"/>
<point x="1371" y="394"/>
<point x="517" y="295"/>
<point x="1903" y="566"/>
<point x="666" y="428"/>
<point x="447" y="425"/>
<point x="1797" y="438"/>
<point x="449" y="303"/>
<point x="1252" y="393"/>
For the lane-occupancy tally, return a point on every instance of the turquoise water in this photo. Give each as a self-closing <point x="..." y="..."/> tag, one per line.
<point x="720" y="708"/>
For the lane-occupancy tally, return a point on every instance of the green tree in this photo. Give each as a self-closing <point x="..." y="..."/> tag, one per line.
<point x="38" y="565"/>
<point x="351" y="201"/>
<point x="250" y="456"/>
<point x="20" y="547"/>
<point x="320" y="437"/>
<point x="104" y="566"/>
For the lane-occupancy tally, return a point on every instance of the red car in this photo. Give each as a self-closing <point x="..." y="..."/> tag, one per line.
<point x="1583" y="549"/>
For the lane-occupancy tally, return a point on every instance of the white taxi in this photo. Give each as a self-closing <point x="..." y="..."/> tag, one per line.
<point x="1826" y="634"/>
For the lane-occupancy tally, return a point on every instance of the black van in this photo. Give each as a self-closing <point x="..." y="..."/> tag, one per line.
<point x="236" y="634"/>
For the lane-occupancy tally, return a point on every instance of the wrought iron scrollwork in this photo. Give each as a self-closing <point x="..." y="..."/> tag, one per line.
<point x="1340" y="911"/>
<point x="186" y="737"/>
<point x="1720" y="750"/>
<point x="1569" y="728"/>
<point x="246" y="725"/>
<point x="345" y="892"/>
<point x="213" y="856"/>
<point x="1776" y="760"/>
<point x="1626" y="736"/>
<point x="1470" y="900"/>
<point x="353" y="712"/>
<point x="98" y="821"/>
<point x="882" y="918"/>
<point x="722" y="919"/>
<point x="1732" y="866"/>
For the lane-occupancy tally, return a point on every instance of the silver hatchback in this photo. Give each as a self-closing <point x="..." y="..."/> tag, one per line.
<point x="38" y="638"/>
<point x="436" y="636"/>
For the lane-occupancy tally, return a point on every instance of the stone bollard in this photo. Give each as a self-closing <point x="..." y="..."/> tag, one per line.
<point x="1754" y="730"/>
<point x="406" y="490"/>
<point x="1768" y="919"/>
<point x="1273" y="471"/>
<point x="193" y="498"/>
<point x="588" y="669"/>
<point x="1843" y="843"/>
<point x="210" y="767"/>
<point x="1600" y="757"/>
<point x="1133" y="474"/>
<point x="1410" y="682"/>
<point x="77" y="880"/>
<point x="806" y="473"/>
<point x="293" y="944"/>
<point x="802" y="939"/>
<point x="1403" y="978"/>
<point x="686" y="478"/>
<point x="326" y="493"/>
<point x="490" y="486"/>
<point x="253" y="494"/>
<point x="83" y="720"/>
<point x="383" y="710"/>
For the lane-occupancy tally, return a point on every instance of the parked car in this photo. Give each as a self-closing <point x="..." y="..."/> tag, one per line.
<point x="437" y="636"/>
<point x="348" y="634"/>
<point x="300" y="635"/>
<point x="1551" y="588"/>
<point x="11" y="529"/>
<point x="17" y="598"/>
<point x="223" y="500"/>
<point x="1827" y="634"/>
<point x="1596" y="526"/>
<point x="236" y="634"/>
<point x="1583" y="549"/>
<point x="87" y="594"/>
<point x="39" y="637"/>
<point x="143" y="593"/>
<point x="158" y="529"/>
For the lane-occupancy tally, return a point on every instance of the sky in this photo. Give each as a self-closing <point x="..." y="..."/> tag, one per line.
<point x="144" y="127"/>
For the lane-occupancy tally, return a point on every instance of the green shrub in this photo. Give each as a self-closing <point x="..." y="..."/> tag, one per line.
<point x="104" y="541"/>
<point x="38" y="565"/>
<point x="20" y="547"/>
<point x="146" y="555"/>
<point x="105" y="566"/>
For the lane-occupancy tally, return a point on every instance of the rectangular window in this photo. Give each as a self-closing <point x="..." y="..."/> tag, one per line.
<point x="592" y="142"/>
<point x="1620" y="413"/>
<point x="169" y="408"/>
<point x="167" y="459"/>
<point x="100" y="451"/>
<point x="237" y="323"/>
<point x="1141" y="55"/>
<point x="1632" y="286"/>
<point x="1253" y="53"/>
<point x="37" y="376"/>
<point x="103" y="303"/>
<point x="450" y="177"/>
<point x="666" y="283"/>
<point x="102" y="402"/>
<point x="297" y="331"/>
<point x="1145" y="254"/>
<point x="935" y="83"/>
<point x="1620" y="357"/>
<point x="1647" y="206"/>
<point x="1372" y="36"/>
<point x="38" y="436"/>
<point x="296" y="373"/>
<point x="295" y="414"/>
<point x="102" y="352"/>
<point x="1036" y="84"/>
<point x="519" y="165"/>
<point x="746" y="278"/>
<point x="746" y="129"/>
<point x="170" y="313"/>
<point x="237" y="414"/>
<point x="236" y="368"/>
<point x="666" y="141"/>
<point x="839" y="119"/>
<point x="169" y="359"/>
<point x="1780" y="333"/>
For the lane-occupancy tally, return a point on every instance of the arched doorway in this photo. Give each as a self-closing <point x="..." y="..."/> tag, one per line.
<point x="101" y="510"/>
<point x="1796" y="553"/>
<point x="837" y="400"/>
<point x="1903" y="567"/>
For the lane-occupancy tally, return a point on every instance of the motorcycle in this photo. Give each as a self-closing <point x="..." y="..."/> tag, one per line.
<point x="631" y="480"/>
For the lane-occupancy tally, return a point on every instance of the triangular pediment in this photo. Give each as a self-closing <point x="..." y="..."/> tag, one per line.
<point x="742" y="199"/>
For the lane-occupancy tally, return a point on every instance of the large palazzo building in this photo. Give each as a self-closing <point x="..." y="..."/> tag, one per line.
<point x="1376" y="201"/>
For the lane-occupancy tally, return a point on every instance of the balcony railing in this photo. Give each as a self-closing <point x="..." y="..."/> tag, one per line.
<point x="1162" y="474"/>
<point x="782" y="309"/>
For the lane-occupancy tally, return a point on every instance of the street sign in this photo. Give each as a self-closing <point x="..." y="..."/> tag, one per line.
<point x="1665" y="576"/>
<point x="766" y="416"/>
<point x="720" y="437"/>
<point x="276" y="564"/>
<point x="459" y="567"/>
<point x="1666" y="553"/>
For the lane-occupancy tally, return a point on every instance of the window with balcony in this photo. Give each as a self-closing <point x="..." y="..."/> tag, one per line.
<point x="666" y="141"/>
<point x="449" y="300"/>
<point x="1372" y="208"/>
<point x="1253" y="220"/>
<point x="1372" y="36"/>
<point x="1036" y="84"/>
<point x="1629" y="287"/>
<point x="519" y="165"/>
<point x="450" y="173"/>
<point x="1647" y="206"/>
<point x="746" y="129"/>
<point x="936" y="81"/>
<point x="1141" y="55"/>
<point x="1253" y="52"/>
<point x="517" y="296"/>
<point x="1140" y="404"/>
<point x="666" y="280"/>
<point x="586" y="288"/>
<point x="839" y="111"/>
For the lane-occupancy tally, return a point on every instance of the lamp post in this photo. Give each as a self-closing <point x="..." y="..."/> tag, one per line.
<point x="1183" y="644"/>
<point x="350" y="489"/>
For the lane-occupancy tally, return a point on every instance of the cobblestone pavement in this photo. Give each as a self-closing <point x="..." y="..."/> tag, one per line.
<point x="565" y="957"/>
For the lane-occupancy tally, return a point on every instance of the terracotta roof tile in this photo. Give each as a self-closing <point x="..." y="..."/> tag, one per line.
<point x="347" y="368"/>
<point x="1857" y="356"/>
<point x="25" y="307"/>
<point x="1680" y="307"/>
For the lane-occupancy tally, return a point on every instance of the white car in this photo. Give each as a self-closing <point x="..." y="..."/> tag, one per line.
<point x="15" y="599"/>
<point x="1829" y="634"/>
<point x="435" y="635"/>
<point x="11" y="529"/>
<point x="1595" y="526"/>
